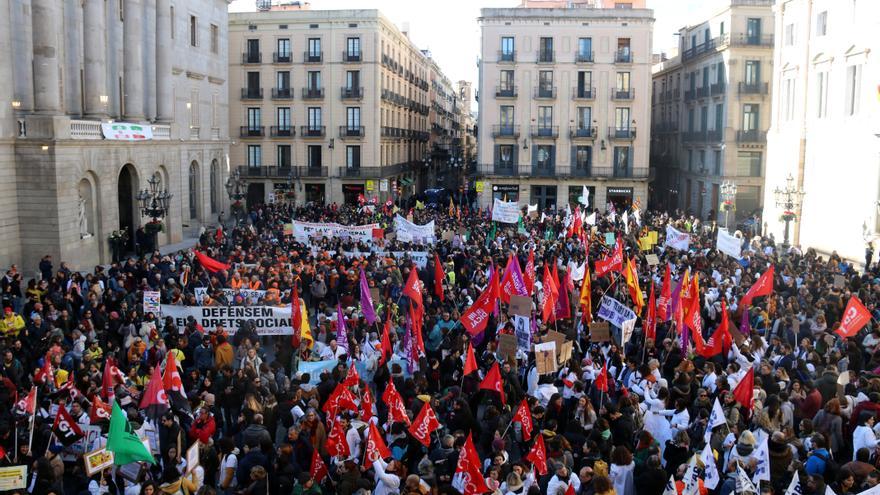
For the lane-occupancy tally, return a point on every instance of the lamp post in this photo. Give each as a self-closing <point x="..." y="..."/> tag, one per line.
<point x="235" y="189"/>
<point x="789" y="199"/>
<point x="728" y="195"/>
<point x="154" y="204"/>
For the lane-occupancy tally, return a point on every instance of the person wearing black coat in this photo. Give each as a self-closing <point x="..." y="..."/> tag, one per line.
<point x="652" y="479"/>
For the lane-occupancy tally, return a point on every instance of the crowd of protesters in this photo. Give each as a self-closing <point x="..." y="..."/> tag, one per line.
<point x="261" y="423"/>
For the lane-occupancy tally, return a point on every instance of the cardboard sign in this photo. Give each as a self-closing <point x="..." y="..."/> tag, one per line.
<point x="600" y="331"/>
<point x="839" y="281"/>
<point x="507" y="345"/>
<point x="645" y="243"/>
<point x="565" y="352"/>
<point x="545" y="357"/>
<point x="521" y="305"/>
<point x="609" y="238"/>
<point x="652" y="259"/>
<point x="375" y="295"/>
<point x="192" y="457"/>
<point x="448" y="235"/>
<point x="557" y="338"/>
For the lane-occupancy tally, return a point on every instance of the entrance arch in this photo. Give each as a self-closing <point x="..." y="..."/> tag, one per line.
<point x="126" y="197"/>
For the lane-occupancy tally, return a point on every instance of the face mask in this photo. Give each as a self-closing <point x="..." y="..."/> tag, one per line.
<point x="606" y="434"/>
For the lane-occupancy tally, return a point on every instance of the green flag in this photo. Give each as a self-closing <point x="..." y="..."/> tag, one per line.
<point x="521" y="227"/>
<point x="491" y="236"/>
<point x="124" y="442"/>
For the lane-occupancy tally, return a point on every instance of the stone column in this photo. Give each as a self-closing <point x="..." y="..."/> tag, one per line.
<point x="7" y="122"/>
<point x="47" y="87"/>
<point x="72" y="49"/>
<point x="165" y="104"/>
<point x="133" y="72"/>
<point x="149" y="43"/>
<point x="95" y="47"/>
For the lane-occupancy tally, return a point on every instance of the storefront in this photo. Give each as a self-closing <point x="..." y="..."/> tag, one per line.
<point x="315" y="194"/>
<point x="505" y="192"/>
<point x="575" y="193"/>
<point x="544" y="196"/>
<point x="620" y="197"/>
<point x="352" y="192"/>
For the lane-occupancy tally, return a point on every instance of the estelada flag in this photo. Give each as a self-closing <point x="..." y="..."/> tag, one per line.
<point x="424" y="424"/>
<point x="319" y="470"/>
<point x="523" y="416"/>
<point x="65" y="428"/>
<point x="586" y="298"/>
<point x="211" y="264"/>
<point x="492" y="381"/>
<point x="470" y="362"/>
<point x="468" y="478"/>
<point x="855" y="316"/>
<point x="375" y="447"/>
<point x="538" y="455"/>
<point x="337" y="445"/>
<point x="745" y="389"/>
<point x="762" y="287"/>
<point x="413" y="290"/>
<point x="155" y="401"/>
<point x="100" y="411"/>
<point x="601" y="381"/>
<point x="439" y="275"/>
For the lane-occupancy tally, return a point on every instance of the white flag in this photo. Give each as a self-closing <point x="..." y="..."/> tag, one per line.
<point x="626" y="330"/>
<point x="591" y="220"/>
<point x="691" y="478"/>
<point x="637" y="215"/>
<point x="711" y="478"/>
<point x="762" y="455"/>
<point x="543" y="216"/>
<point x="531" y="208"/>
<point x="625" y="220"/>
<point x="585" y="197"/>
<point x="670" y="487"/>
<point x="743" y="483"/>
<point x="794" y="488"/>
<point x="716" y="418"/>
<point x="577" y="272"/>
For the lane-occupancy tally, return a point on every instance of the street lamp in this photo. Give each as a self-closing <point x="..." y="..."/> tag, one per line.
<point x="728" y="195"/>
<point x="789" y="199"/>
<point x="154" y="204"/>
<point x="235" y="189"/>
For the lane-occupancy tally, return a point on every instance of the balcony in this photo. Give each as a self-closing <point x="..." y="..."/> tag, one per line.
<point x="347" y="93"/>
<point x="282" y="93"/>
<point x="582" y="170"/>
<point x="250" y="131"/>
<point x="310" y="171"/>
<point x="351" y="132"/>
<point x="263" y="171"/>
<point x="581" y="93"/>
<point x="546" y="57"/>
<point x="693" y="137"/>
<point x="506" y="57"/>
<point x="392" y="132"/>
<point x="361" y="172"/>
<point x="505" y="169"/>
<point x="545" y="93"/>
<point x="544" y="131"/>
<point x="281" y="58"/>
<point x="753" y="88"/>
<point x="582" y="133"/>
<point x="351" y="57"/>
<point x="714" y="135"/>
<point x="623" y="94"/>
<point x="281" y="131"/>
<point x="505" y="131"/>
<point x="742" y="39"/>
<point x="623" y="56"/>
<point x="313" y="57"/>
<point x="622" y="133"/>
<point x="702" y="92"/>
<point x="751" y="136"/>
<point x="621" y="172"/>
<point x="505" y="92"/>
<point x="251" y="93"/>
<point x="690" y="94"/>
<point x="312" y="131"/>
<point x="696" y="51"/>
<point x="583" y="58"/>
<point x="545" y="171"/>
<point x="313" y="93"/>
<point x="251" y="58"/>
<point x="718" y="89"/>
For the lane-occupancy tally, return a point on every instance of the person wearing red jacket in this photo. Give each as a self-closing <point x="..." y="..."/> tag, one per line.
<point x="203" y="427"/>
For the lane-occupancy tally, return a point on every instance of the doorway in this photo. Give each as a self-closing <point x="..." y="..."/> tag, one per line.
<point x="256" y="194"/>
<point x="127" y="185"/>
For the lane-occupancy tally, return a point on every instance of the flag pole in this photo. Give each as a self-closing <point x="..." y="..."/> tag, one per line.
<point x="33" y="417"/>
<point x="15" y="457"/>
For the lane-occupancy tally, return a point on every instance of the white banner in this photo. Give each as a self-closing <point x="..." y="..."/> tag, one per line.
<point x="423" y="233"/>
<point x="420" y="258"/>
<point x="505" y="211"/>
<point x="268" y="320"/>
<point x="677" y="240"/>
<point x="615" y="312"/>
<point x="152" y="302"/>
<point x="250" y="295"/>
<point x="120" y="131"/>
<point x="728" y="244"/>
<point x="302" y="231"/>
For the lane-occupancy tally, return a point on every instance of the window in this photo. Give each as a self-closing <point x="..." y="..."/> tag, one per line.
<point x="585" y="50"/>
<point x="719" y="73"/>
<point x="544" y="196"/>
<point x="717" y="162"/>
<point x="313" y="80"/>
<point x="623" y="81"/>
<point x="788" y="95"/>
<point x="705" y="77"/>
<point x="690" y="160"/>
<point x="721" y="28"/>
<point x="822" y="93"/>
<point x="853" y="88"/>
<point x="314" y="54"/>
<point x="748" y="164"/>
<point x="171" y="15"/>
<point x="283" y="47"/>
<point x="704" y="118"/>
<point x="621" y="118"/>
<point x="506" y="82"/>
<point x="314" y="114"/>
<point x="254" y="118"/>
<point x="582" y="157"/>
<point x="719" y="117"/>
<point x="753" y="31"/>
<point x="353" y="156"/>
<point x="750" y="117"/>
<point x="622" y="156"/>
<point x="507" y="117"/>
<point x="507" y="48"/>
<point x="545" y="84"/>
<point x="282" y="80"/>
<point x="283" y="118"/>
<point x="789" y="35"/>
<point x="353" y="79"/>
<point x="353" y="118"/>
<point x="283" y="152"/>
<point x="753" y="73"/>
<point x="584" y="84"/>
<point x="255" y="155"/>
<point x="575" y="193"/>
<point x="821" y="23"/>
<point x="701" y="156"/>
<point x="253" y="82"/>
<point x="623" y="51"/>
<point x="505" y="155"/>
<point x="545" y="50"/>
<point x="313" y="155"/>
<point x="215" y="38"/>
<point x="193" y="32"/>
<point x="584" y="117"/>
<point x="353" y="47"/>
<point x="544" y="156"/>
<point x="545" y="117"/>
<point x="692" y="122"/>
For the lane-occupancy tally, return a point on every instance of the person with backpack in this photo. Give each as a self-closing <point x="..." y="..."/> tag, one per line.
<point x="820" y="462"/>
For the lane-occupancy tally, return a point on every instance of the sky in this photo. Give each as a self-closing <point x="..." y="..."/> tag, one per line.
<point x="449" y="28"/>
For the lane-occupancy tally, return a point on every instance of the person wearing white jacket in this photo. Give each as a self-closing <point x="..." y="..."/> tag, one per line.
<point x="559" y="482"/>
<point x="387" y="481"/>
<point x="863" y="435"/>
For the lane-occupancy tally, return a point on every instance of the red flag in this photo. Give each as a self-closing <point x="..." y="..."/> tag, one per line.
<point x="100" y="411"/>
<point x="665" y="296"/>
<point x="613" y="263"/>
<point x="855" y="316"/>
<point x="724" y="329"/>
<point x="439" y="275"/>
<point x="493" y="381"/>
<point x="352" y="378"/>
<point x="366" y="404"/>
<point x="538" y="455"/>
<point x="211" y="264"/>
<point x="470" y="362"/>
<point x="562" y="308"/>
<point x="745" y="389"/>
<point x="28" y="404"/>
<point x="45" y="373"/>
<point x="375" y="448"/>
<point x="65" y="428"/>
<point x="340" y="398"/>
<point x="319" y="469"/>
<point x="651" y="320"/>
<point x="468" y="477"/>
<point x="529" y="275"/>
<point x="385" y="346"/>
<point x="601" y="381"/>
<point x="295" y="316"/>
<point x="551" y="293"/>
<point x="424" y="424"/>
<point x="475" y="318"/>
<point x="416" y="321"/>
<point x="693" y="319"/>
<point x="173" y="384"/>
<point x="413" y="289"/>
<point x="762" y="287"/>
<point x="570" y="489"/>
<point x="108" y="380"/>
<point x="336" y="444"/>
<point x="523" y="416"/>
<point x="154" y="401"/>
<point x="396" y="410"/>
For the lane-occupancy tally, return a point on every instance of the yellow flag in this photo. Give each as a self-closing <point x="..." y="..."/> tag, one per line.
<point x="305" y="333"/>
<point x="632" y="281"/>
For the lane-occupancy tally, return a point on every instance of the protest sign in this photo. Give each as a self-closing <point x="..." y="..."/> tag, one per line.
<point x="505" y="212"/>
<point x="614" y="311"/>
<point x="645" y="243"/>
<point x="419" y="233"/>
<point x="600" y="331"/>
<point x="13" y="478"/>
<point x="507" y="345"/>
<point x="677" y="240"/>
<point x="557" y="338"/>
<point x="267" y="320"/>
<point x="448" y="235"/>
<point x="152" y="302"/>
<point x="839" y="281"/>
<point x="652" y="259"/>
<point x="545" y="357"/>
<point x="652" y="237"/>
<point x="565" y="352"/>
<point x="609" y="238"/>
<point x="288" y="229"/>
<point x="252" y="295"/>
<point x="521" y="305"/>
<point x="98" y="461"/>
<point x="728" y="244"/>
<point x="303" y="231"/>
<point x="523" y="331"/>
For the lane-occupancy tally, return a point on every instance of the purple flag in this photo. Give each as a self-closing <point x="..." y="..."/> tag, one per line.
<point x="496" y="311"/>
<point x="685" y="337"/>
<point x="408" y="344"/>
<point x="744" y="327"/>
<point x="341" y="332"/>
<point x="366" y="301"/>
<point x="676" y="297"/>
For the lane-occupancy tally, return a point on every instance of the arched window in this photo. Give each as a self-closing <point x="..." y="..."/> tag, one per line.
<point x="214" y="185"/>
<point x="193" y="190"/>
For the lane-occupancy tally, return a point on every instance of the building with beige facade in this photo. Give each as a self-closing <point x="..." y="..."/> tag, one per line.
<point x="825" y="130"/>
<point x="711" y="112"/>
<point x="328" y="105"/>
<point x="564" y="99"/>
<point x="99" y="98"/>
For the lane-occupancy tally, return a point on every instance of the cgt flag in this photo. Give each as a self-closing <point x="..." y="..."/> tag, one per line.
<point x="319" y="470"/>
<point x="492" y="381"/>
<point x="65" y="428"/>
<point x="155" y="401"/>
<point x="100" y="410"/>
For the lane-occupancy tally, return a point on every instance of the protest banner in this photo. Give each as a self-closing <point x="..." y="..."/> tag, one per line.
<point x="507" y="345"/>
<point x="252" y="295"/>
<point x="505" y="211"/>
<point x="419" y="233"/>
<point x="728" y="244"/>
<point x="13" y="478"/>
<point x="839" y="281"/>
<point x="267" y="320"/>
<point x="152" y="302"/>
<point x="521" y="305"/>
<point x="600" y="331"/>
<point x="523" y="331"/>
<point x="677" y="240"/>
<point x="303" y="231"/>
<point x="614" y="311"/>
